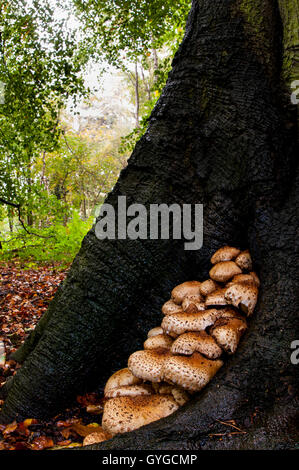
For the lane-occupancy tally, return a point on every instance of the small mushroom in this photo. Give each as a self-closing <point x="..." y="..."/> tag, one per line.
<point x="245" y="277"/>
<point x="124" y="414"/>
<point x="224" y="271"/>
<point x="180" y="395"/>
<point x="170" y="307"/>
<point x="198" y="341"/>
<point x="183" y="322"/>
<point x="228" y="332"/>
<point x="244" y="295"/>
<point x="121" y="378"/>
<point x="226" y="253"/>
<point x="158" y="341"/>
<point x="216" y="298"/>
<point x="187" y="288"/>
<point x="155" y="331"/>
<point x="207" y="287"/>
<point x="193" y="303"/>
<point x="96" y="437"/>
<point x="130" y="391"/>
<point x="244" y="260"/>
<point x="190" y="372"/>
<point x="148" y="364"/>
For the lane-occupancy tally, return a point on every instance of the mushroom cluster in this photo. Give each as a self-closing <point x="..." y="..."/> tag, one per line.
<point x="202" y="322"/>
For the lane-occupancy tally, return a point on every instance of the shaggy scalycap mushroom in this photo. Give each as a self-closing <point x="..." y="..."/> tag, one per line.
<point x="171" y="307"/>
<point x="125" y="414"/>
<point x="244" y="260"/>
<point x="207" y="287"/>
<point x="226" y="253"/>
<point x="243" y="294"/>
<point x="187" y="288"/>
<point x="183" y="322"/>
<point x="155" y="332"/>
<point x="216" y="298"/>
<point x="130" y="391"/>
<point x="252" y="276"/>
<point x="198" y="341"/>
<point x="179" y="394"/>
<point x="190" y="372"/>
<point x="193" y="303"/>
<point x="228" y="332"/>
<point x="96" y="437"/>
<point x="148" y="364"/>
<point x="222" y="272"/>
<point x="121" y="378"/>
<point x="158" y="341"/>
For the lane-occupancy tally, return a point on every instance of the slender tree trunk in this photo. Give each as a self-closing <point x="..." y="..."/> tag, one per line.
<point x="137" y="98"/>
<point x="223" y="134"/>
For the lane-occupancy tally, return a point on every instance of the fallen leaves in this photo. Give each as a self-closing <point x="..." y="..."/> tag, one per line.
<point x="24" y="297"/>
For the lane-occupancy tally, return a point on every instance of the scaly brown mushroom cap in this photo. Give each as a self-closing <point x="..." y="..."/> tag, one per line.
<point x="121" y="378"/>
<point x="198" y="341"/>
<point x="170" y="307"/>
<point x="243" y="294"/>
<point x="179" y="394"/>
<point x="155" y="332"/>
<point x="207" y="287"/>
<point x="158" y="341"/>
<point x="190" y="372"/>
<point x="130" y="391"/>
<point x="96" y="437"/>
<point x="244" y="277"/>
<point x="226" y="253"/>
<point x="125" y="414"/>
<point x="187" y="288"/>
<point x="228" y="332"/>
<point x="244" y="260"/>
<point x="183" y="322"/>
<point x="216" y="298"/>
<point x="148" y="364"/>
<point x="225" y="270"/>
<point x="193" y="303"/>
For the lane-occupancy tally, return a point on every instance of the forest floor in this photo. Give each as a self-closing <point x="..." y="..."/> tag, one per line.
<point x="24" y="297"/>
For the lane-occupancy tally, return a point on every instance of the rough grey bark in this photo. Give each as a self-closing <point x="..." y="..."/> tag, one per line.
<point x="223" y="134"/>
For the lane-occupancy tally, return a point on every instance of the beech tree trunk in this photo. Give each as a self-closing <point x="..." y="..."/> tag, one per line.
<point x="224" y="133"/>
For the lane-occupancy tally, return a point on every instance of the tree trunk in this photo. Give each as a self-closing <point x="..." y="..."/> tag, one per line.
<point x="223" y="134"/>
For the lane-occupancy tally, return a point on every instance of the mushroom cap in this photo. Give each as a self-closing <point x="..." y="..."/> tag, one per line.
<point x="148" y="364"/>
<point x="130" y="391"/>
<point x="187" y="288"/>
<point x="198" y="341"/>
<point x="179" y="394"/>
<point x="124" y="414"/>
<point x="244" y="260"/>
<point x="228" y="332"/>
<point x="243" y="294"/>
<point x="224" y="271"/>
<point x="121" y="378"/>
<point x="180" y="323"/>
<point x="158" y="341"/>
<point x="170" y="307"/>
<point x="95" y="437"/>
<point x="207" y="287"/>
<point x="245" y="277"/>
<point x="216" y="298"/>
<point x="155" y="331"/>
<point x="193" y="303"/>
<point x="226" y="253"/>
<point x="190" y="372"/>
